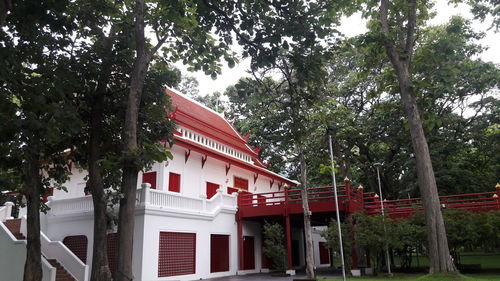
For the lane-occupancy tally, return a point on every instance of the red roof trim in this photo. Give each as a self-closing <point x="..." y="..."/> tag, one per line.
<point x="241" y="140"/>
<point x="184" y="124"/>
<point x="215" y="154"/>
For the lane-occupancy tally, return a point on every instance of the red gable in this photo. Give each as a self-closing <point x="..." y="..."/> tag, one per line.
<point x="200" y="118"/>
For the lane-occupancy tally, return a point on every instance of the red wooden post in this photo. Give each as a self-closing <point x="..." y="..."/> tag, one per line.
<point x="288" y="242"/>
<point x="497" y="195"/>
<point x="348" y="195"/>
<point x="240" y="242"/>
<point x="286" y="196"/>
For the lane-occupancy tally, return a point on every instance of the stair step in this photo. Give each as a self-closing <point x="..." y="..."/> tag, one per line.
<point x="61" y="273"/>
<point x="14" y="225"/>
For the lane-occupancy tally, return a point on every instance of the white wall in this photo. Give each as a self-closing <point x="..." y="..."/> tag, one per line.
<point x="223" y="223"/>
<point x="316" y="239"/>
<point x="13" y="257"/>
<point x="194" y="177"/>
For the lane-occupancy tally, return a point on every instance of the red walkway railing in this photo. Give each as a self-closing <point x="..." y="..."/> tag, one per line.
<point x="351" y="200"/>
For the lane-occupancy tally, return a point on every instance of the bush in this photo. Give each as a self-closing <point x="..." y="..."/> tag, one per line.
<point x="274" y="247"/>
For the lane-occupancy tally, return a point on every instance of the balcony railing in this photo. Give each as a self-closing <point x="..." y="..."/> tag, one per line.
<point x="150" y="198"/>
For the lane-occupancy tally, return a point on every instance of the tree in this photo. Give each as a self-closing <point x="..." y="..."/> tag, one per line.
<point x="187" y="25"/>
<point x="399" y="46"/>
<point x="37" y="114"/>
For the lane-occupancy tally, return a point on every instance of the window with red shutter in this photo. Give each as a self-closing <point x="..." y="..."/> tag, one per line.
<point x="211" y="189"/>
<point x="241" y="183"/>
<point x="219" y="253"/>
<point x="177" y="254"/>
<point x="174" y="182"/>
<point x="231" y="190"/>
<point x="149" y="177"/>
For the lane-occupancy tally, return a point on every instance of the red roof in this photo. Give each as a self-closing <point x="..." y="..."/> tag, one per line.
<point x="200" y="118"/>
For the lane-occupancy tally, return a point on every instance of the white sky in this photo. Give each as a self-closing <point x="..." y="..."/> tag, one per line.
<point x="353" y="26"/>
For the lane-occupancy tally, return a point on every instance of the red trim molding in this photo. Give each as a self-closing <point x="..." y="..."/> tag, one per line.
<point x="210" y="153"/>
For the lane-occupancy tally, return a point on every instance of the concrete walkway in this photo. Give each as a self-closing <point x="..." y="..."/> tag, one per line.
<point x="268" y="277"/>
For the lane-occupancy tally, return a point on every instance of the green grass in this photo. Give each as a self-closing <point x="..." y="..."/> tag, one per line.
<point x="491" y="261"/>
<point x="428" y="277"/>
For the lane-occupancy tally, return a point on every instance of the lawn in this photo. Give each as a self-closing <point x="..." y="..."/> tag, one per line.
<point x="435" y="277"/>
<point x="487" y="261"/>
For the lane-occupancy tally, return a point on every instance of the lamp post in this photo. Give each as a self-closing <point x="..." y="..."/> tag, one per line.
<point x="387" y="258"/>
<point x="330" y="131"/>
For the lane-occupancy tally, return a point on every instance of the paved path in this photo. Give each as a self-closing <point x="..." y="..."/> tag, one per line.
<point x="268" y="277"/>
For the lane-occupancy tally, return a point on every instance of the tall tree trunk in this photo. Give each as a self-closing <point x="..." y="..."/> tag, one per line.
<point x="130" y="169"/>
<point x="439" y="255"/>
<point x="307" y="216"/>
<point x="33" y="264"/>
<point x="100" y="263"/>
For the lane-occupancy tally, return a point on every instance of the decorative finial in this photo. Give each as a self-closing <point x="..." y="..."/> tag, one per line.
<point x="498" y="185"/>
<point x="347" y="179"/>
<point x="376" y="195"/>
<point x="495" y="196"/>
<point x="360" y="187"/>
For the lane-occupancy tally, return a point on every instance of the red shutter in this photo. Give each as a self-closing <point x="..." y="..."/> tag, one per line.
<point x="78" y="245"/>
<point x="150" y="178"/>
<point x="219" y="253"/>
<point x="174" y="182"/>
<point x="324" y="256"/>
<point x="231" y="190"/>
<point x="211" y="189"/>
<point x="241" y="183"/>
<point x="177" y="254"/>
<point x="49" y="192"/>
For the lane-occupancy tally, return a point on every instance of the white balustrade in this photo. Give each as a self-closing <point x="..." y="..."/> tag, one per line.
<point x="174" y="201"/>
<point x="6" y="211"/>
<point x="72" y="205"/>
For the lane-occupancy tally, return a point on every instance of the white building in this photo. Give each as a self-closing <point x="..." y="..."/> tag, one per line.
<point x="186" y="223"/>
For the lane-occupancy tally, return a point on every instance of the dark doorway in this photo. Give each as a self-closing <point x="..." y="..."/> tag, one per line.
<point x="248" y="252"/>
<point x="295" y="253"/>
<point x="219" y="253"/>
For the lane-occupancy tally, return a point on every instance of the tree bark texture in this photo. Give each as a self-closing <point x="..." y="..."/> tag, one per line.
<point x="439" y="255"/>
<point x="307" y="217"/>
<point x="33" y="264"/>
<point x="130" y="169"/>
<point x="100" y="263"/>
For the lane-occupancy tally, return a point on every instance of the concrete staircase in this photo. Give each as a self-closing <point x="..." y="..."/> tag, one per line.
<point x="61" y="273"/>
<point x="14" y="226"/>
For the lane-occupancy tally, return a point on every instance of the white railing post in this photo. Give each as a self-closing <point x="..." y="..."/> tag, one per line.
<point x="146" y="194"/>
<point x="8" y="211"/>
<point x="203" y="202"/>
<point x="221" y="198"/>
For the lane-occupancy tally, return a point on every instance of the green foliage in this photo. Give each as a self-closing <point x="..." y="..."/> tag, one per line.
<point x="331" y="236"/>
<point x="274" y="245"/>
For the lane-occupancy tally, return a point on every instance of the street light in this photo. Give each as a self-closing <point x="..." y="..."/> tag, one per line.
<point x="387" y="259"/>
<point x="330" y="131"/>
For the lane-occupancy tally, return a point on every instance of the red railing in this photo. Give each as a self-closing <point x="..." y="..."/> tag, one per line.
<point x="352" y="200"/>
<point x="406" y="207"/>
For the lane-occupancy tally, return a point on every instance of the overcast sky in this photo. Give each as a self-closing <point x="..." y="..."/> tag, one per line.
<point x="353" y="26"/>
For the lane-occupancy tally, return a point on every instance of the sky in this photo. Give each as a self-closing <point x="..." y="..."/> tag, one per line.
<point x="352" y="26"/>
